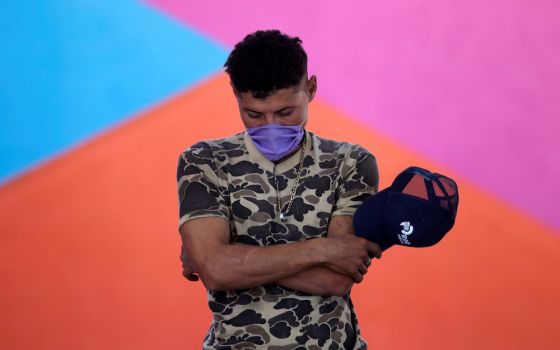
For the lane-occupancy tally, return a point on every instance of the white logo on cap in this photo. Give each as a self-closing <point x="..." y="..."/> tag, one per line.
<point x="407" y="230"/>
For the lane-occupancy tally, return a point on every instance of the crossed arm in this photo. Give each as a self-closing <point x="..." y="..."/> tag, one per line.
<point x="323" y="266"/>
<point x="320" y="279"/>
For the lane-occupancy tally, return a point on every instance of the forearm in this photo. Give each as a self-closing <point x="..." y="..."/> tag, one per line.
<point x="319" y="281"/>
<point x="239" y="266"/>
<point x="316" y="280"/>
<point x="225" y="266"/>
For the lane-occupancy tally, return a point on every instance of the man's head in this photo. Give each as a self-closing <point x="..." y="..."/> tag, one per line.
<point x="268" y="72"/>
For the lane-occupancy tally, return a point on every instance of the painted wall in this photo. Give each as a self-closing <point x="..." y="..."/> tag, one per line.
<point x="97" y="100"/>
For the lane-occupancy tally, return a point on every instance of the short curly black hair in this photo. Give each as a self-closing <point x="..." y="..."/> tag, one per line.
<point x="265" y="61"/>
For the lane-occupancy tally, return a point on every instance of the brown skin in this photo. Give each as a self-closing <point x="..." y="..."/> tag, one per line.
<point x="322" y="266"/>
<point x="285" y="106"/>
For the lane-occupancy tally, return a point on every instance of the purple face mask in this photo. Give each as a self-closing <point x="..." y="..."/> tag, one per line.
<point x="276" y="141"/>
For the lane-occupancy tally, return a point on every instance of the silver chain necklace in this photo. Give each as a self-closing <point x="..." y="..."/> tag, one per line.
<point x="284" y="215"/>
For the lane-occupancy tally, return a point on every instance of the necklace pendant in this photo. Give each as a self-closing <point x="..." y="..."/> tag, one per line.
<point x="283" y="217"/>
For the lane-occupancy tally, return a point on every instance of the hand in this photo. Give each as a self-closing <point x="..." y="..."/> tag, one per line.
<point x="350" y="255"/>
<point x="188" y="270"/>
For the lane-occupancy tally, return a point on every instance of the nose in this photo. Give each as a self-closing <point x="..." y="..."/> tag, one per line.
<point x="269" y="119"/>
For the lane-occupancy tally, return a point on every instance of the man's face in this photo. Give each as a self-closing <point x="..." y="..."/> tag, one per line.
<point x="285" y="106"/>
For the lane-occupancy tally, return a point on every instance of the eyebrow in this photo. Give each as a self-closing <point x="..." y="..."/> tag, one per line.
<point x="278" y="111"/>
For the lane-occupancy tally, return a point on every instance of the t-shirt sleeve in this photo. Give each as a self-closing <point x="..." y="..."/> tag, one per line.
<point x="359" y="181"/>
<point x="198" y="185"/>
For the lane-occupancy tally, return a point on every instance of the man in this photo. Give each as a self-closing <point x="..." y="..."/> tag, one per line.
<point x="266" y="214"/>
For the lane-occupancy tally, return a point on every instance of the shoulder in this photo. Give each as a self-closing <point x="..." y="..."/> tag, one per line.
<point x="213" y="149"/>
<point x="217" y="145"/>
<point x="341" y="149"/>
<point x="355" y="162"/>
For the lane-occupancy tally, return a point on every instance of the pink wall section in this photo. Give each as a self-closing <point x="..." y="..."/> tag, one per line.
<point x="472" y="85"/>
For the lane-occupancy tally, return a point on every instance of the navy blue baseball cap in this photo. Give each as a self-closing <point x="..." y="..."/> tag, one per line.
<point x="417" y="210"/>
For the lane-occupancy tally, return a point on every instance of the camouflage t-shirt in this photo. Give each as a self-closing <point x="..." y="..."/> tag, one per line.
<point x="230" y="178"/>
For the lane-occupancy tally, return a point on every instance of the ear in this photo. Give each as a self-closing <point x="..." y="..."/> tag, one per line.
<point x="312" y="87"/>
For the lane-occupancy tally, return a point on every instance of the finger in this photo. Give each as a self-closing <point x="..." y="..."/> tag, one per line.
<point x="189" y="272"/>
<point x="191" y="276"/>
<point x="363" y="269"/>
<point x="368" y="261"/>
<point x="344" y="269"/>
<point x="374" y="250"/>
<point x="358" y="277"/>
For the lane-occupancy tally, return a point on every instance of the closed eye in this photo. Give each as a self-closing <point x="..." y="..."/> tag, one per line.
<point x="285" y="112"/>
<point x="254" y="115"/>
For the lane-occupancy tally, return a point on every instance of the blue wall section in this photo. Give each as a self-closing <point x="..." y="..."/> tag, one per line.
<point x="69" y="69"/>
